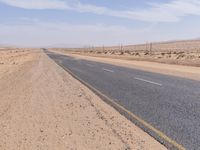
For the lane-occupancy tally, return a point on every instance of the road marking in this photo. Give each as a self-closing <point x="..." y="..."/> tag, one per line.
<point x="108" y="70"/>
<point x="89" y="65"/>
<point x="148" y="81"/>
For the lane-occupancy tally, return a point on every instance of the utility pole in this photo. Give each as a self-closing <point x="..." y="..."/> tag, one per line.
<point x="150" y="48"/>
<point x="146" y="46"/>
<point x="121" y="47"/>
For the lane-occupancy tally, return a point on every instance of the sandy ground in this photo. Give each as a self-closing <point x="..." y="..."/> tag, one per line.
<point x="189" y="72"/>
<point x="167" y="57"/>
<point x="43" y="108"/>
<point x="173" y="52"/>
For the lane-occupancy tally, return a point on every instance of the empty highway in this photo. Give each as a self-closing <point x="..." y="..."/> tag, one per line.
<point x="170" y="104"/>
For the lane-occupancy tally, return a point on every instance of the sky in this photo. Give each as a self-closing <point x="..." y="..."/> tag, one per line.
<point x="83" y="23"/>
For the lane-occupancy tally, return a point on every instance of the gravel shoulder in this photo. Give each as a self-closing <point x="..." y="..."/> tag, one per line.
<point x="43" y="107"/>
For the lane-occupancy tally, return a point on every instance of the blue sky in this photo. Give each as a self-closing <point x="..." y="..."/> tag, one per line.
<point x="75" y="23"/>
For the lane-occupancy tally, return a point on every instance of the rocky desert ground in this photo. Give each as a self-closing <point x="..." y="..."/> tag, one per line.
<point x="42" y="107"/>
<point x="174" y="52"/>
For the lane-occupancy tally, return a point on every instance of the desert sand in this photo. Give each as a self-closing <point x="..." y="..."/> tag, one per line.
<point x="42" y="107"/>
<point x="173" y="52"/>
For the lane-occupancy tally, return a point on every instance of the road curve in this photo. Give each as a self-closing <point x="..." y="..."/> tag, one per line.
<point x="170" y="104"/>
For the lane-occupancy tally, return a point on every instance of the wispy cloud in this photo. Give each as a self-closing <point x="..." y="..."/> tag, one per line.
<point x="36" y="4"/>
<point x="171" y="11"/>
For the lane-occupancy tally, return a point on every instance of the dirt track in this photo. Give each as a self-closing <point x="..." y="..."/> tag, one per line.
<point x="43" y="107"/>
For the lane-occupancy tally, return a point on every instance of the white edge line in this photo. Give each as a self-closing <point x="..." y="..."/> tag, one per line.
<point x="148" y="81"/>
<point x="108" y="70"/>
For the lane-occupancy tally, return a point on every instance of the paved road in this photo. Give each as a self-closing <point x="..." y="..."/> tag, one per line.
<point x="170" y="104"/>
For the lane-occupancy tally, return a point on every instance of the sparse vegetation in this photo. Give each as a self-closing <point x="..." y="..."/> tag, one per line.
<point x="176" y="52"/>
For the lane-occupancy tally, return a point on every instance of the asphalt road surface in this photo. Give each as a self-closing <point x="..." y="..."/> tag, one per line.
<point x="170" y="104"/>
